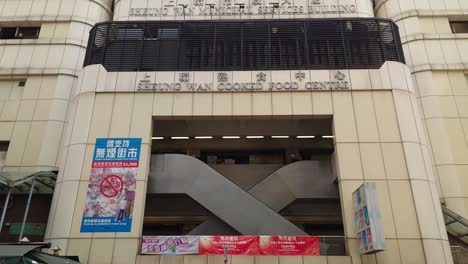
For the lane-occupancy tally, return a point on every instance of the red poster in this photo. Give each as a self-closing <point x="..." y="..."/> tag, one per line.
<point x="236" y="245"/>
<point x="290" y="245"/>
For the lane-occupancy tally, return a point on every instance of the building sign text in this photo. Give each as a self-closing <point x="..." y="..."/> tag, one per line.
<point x="255" y="7"/>
<point x="338" y="81"/>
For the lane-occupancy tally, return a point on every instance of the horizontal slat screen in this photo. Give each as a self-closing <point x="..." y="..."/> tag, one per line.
<point x="244" y="45"/>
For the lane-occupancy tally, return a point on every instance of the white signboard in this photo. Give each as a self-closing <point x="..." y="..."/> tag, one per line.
<point x="368" y="219"/>
<point x="253" y="7"/>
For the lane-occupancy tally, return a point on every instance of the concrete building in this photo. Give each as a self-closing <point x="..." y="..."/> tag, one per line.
<point x="256" y="118"/>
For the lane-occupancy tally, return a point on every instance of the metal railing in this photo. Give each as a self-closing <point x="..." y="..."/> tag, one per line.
<point x="332" y="246"/>
<point x="244" y="45"/>
<point x="329" y="245"/>
<point x="456" y="225"/>
<point x="460" y="255"/>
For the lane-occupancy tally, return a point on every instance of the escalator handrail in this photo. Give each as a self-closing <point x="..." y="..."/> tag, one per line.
<point x="455" y="216"/>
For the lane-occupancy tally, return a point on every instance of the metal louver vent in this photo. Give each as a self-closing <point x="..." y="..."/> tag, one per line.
<point x="244" y="45"/>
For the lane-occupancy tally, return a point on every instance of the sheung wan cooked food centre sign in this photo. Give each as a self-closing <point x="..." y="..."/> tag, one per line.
<point x="339" y="81"/>
<point x="253" y="7"/>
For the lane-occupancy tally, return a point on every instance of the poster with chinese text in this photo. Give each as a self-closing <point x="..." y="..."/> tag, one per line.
<point x="290" y="245"/>
<point x="112" y="185"/>
<point x="169" y="245"/>
<point x="235" y="245"/>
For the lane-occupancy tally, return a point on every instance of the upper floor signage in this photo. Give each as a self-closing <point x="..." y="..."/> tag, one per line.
<point x="338" y="81"/>
<point x="253" y="7"/>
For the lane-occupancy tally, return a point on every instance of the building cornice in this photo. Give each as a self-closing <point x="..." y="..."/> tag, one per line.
<point x="34" y="20"/>
<point x="426" y="13"/>
<point x="439" y="67"/>
<point x="446" y="36"/>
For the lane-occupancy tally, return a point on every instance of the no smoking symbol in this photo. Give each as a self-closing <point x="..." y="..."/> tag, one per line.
<point x="111" y="186"/>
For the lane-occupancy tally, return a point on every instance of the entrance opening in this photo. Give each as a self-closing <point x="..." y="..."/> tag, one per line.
<point x="203" y="171"/>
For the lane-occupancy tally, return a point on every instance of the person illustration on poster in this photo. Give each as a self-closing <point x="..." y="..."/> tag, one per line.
<point x="130" y="184"/>
<point x="122" y="206"/>
<point x="370" y="244"/>
<point x="172" y="246"/>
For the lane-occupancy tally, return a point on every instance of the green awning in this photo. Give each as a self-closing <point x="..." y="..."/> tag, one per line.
<point x="51" y="259"/>
<point x="26" y="253"/>
<point x="10" y="260"/>
<point x="17" y="250"/>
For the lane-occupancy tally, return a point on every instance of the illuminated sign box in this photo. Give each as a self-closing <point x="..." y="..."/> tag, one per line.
<point x="368" y="219"/>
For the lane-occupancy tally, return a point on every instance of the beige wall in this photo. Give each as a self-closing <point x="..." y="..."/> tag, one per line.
<point x="387" y="130"/>
<point x="438" y="60"/>
<point x="378" y="138"/>
<point x="33" y="117"/>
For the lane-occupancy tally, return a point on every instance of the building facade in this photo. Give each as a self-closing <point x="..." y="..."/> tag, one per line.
<point x="256" y="118"/>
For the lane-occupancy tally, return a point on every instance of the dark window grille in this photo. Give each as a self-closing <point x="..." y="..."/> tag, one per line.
<point x="357" y="43"/>
<point x="19" y="32"/>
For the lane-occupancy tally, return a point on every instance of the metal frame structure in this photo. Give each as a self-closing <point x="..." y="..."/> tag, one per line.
<point x="244" y="45"/>
<point x="22" y="183"/>
<point x="456" y="225"/>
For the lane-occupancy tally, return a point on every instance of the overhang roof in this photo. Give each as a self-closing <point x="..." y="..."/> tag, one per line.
<point x="21" y="182"/>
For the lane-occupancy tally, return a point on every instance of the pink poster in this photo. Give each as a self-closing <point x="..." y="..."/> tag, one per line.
<point x="169" y="245"/>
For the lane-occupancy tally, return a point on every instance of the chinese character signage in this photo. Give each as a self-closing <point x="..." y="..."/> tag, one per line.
<point x="368" y="219"/>
<point x="112" y="185"/>
<point x="336" y="81"/>
<point x="169" y="245"/>
<point x="236" y="245"/>
<point x="290" y="245"/>
<point x="260" y="245"/>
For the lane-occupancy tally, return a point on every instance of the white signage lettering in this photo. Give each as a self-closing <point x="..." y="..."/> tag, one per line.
<point x="283" y="7"/>
<point x="338" y="82"/>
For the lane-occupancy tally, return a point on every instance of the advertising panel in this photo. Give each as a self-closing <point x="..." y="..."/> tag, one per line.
<point x="112" y="185"/>
<point x="169" y="245"/>
<point x="290" y="245"/>
<point x="235" y="245"/>
<point x="368" y="219"/>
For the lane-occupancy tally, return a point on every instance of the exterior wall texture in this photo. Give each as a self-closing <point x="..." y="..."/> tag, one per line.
<point x="403" y="127"/>
<point x="378" y="136"/>
<point x="438" y="61"/>
<point x="33" y="117"/>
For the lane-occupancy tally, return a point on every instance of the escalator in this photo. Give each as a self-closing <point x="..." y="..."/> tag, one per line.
<point x="284" y="186"/>
<point x="174" y="173"/>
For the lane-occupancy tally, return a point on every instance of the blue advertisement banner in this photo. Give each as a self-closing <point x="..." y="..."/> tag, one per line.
<point x="117" y="149"/>
<point x="112" y="185"/>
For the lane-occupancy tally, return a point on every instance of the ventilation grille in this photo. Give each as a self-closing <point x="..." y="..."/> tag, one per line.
<point x="244" y="45"/>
